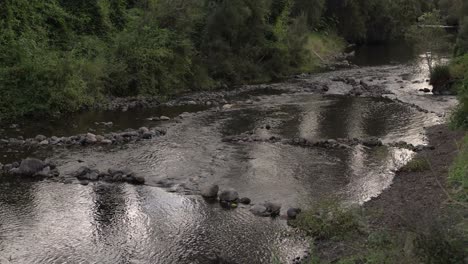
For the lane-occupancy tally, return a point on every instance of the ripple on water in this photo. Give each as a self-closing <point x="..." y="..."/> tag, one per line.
<point x="105" y="223"/>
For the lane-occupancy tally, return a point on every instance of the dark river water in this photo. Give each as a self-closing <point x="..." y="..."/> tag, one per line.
<point x="48" y="222"/>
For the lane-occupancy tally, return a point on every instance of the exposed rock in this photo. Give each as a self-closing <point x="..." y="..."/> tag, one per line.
<point x="81" y="172"/>
<point x="229" y="195"/>
<point x="148" y="135"/>
<point x="372" y="142"/>
<point x="143" y="130"/>
<point x="45" y="172"/>
<point x="210" y="191"/>
<point x="244" y="200"/>
<point x="293" y="212"/>
<point x="44" y="142"/>
<point x="90" y="138"/>
<point x="273" y="208"/>
<point x="260" y="210"/>
<point x="40" y="138"/>
<point x="164" y="118"/>
<point x="30" y="166"/>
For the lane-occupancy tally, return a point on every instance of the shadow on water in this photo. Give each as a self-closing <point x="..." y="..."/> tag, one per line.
<point x="46" y="222"/>
<point x="375" y="55"/>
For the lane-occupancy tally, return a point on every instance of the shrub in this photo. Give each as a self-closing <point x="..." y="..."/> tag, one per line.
<point x="327" y="220"/>
<point x="440" y="75"/>
<point x="416" y="165"/>
<point x="458" y="174"/>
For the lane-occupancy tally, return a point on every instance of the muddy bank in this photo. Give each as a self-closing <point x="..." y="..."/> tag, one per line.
<point x="419" y="195"/>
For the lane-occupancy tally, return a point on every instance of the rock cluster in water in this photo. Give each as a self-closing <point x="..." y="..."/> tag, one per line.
<point x="87" y="139"/>
<point x="229" y="198"/>
<point x="361" y="88"/>
<point x="340" y="143"/>
<point x="31" y="167"/>
<point x="86" y="175"/>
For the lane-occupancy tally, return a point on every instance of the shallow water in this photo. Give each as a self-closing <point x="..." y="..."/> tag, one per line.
<point x="165" y="221"/>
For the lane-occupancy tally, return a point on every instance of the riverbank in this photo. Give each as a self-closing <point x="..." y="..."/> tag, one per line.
<point x="415" y="219"/>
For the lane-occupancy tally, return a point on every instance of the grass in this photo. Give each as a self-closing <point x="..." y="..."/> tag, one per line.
<point x="328" y="220"/>
<point x="458" y="174"/>
<point x="416" y="165"/>
<point x="324" y="45"/>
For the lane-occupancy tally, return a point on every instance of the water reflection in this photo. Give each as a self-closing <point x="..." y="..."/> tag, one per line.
<point x="104" y="223"/>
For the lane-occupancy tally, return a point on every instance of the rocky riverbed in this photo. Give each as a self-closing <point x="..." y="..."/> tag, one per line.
<point x="132" y="180"/>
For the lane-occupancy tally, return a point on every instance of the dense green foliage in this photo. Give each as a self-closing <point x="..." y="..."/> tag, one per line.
<point x="458" y="176"/>
<point x="61" y="55"/>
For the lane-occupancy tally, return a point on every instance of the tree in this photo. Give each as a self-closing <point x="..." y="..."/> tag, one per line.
<point x="429" y="37"/>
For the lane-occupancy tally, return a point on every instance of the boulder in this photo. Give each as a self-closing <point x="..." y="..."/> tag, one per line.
<point x="229" y="195"/>
<point x="260" y="210"/>
<point x="293" y="212"/>
<point x="90" y="138"/>
<point x="210" y="191"/>
<point x="81" y="172"/>
<point x="143" y="130"/>
<point x="30" y="166"/>
<point x="147" y="135"/>
<point x="273" y="208"/>
<point x="45" y="172"/>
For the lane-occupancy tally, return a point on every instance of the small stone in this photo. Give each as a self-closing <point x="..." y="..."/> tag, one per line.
<point x="84" y="182"/>
<point x="229" y="195"/>
<point x="40" y="138"/>
<point x="210" y="191"/>
<point x="164" y="118"/>
<point x="293" y="212"/>
<point x="143" y="130"/>
<point x="244" y="200"/>
<point x="44" y="142"/>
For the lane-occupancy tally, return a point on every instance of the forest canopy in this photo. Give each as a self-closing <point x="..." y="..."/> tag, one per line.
<point x="62" y="55"/>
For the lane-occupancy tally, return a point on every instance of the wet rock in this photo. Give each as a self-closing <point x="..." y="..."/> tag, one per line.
<point x="90" y="138"/>
<point x="99" y="138"/>
<point x="244" y="200"/>
<point x="164" y="118"/>
<point x="260" y="210"/>
<point x="425" y="90"/>
<point x="44" y="142"/>
<point x="268" y="127"/>
<point x="106" y="142"/>
<point x="84" y="182"/>
<point x="7" y="167"/>
<point x="139" y="180"/>
<point x="229" y="195"/>
<point x="273" y="208"/>
<point x="45" y="172"/>
<point x="148" y="135"/>
<point x="31" y="166"/>
<point x="372" y="142"/>
<point x="143" y="130"/>
<point x="210" y="191"/>
<point x="293" y="212"/>
<point x="40" y="138"/>
<point x="81" y="172"/>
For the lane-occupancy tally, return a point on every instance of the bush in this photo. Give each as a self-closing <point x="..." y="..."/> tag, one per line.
<point x="416" y="165"/>
<point x="327" y="220"/>
<point x="458" y="174"/>
<point x="440" y="75"/>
